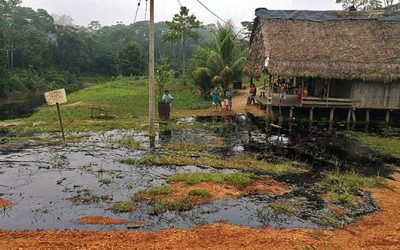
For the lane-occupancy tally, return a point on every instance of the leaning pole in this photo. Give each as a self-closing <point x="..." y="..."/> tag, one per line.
<point x="152" y="115"/>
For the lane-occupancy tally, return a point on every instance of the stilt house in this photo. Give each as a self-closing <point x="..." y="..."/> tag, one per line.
<point x="328" y="59"/>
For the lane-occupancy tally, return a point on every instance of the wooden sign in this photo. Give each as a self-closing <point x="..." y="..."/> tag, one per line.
<point x="56" y="96"/>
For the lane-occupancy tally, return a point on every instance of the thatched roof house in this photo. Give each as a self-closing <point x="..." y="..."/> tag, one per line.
<point x="326" y="44"/>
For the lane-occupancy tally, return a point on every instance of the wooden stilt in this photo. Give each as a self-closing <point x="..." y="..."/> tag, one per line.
<point x="311" y="114"/>
<point x="280" y="114"/>
<point x="387" y="116"/>
<point x="353" y="115"/>
<point x="367" y="116"/>
<point x="332" y="115"/>
<point x="349" y="116"/>
<point x="291" y="114"/>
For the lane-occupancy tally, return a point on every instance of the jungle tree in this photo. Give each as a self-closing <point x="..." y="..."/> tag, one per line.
<point x="183" y="27"/>
<point x="222" y="61"/>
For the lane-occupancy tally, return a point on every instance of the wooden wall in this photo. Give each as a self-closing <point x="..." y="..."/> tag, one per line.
<point x="375" y="95"/>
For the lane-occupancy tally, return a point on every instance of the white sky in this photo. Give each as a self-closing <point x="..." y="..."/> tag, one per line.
<point x="108" y="12"/>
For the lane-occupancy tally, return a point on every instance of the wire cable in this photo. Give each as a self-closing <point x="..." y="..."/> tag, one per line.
<point x="137" y="10"/>
<point x="212" y="12"/>
<point x="145" y="12"/>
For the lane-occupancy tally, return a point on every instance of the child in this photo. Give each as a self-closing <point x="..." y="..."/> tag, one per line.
<point x="229" y="96"/>
<point x="215" y="94"/>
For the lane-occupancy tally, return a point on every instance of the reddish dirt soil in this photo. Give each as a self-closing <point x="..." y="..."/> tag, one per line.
<point x="102" y="220"/>
<point x="4" y="203"/>
<point x="377" y="231"/>
<point x="264" y="185"/>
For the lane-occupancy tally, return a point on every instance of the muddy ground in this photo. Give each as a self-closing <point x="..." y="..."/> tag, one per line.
<point x="377" y="231"/>
<point x="52" y="186"/>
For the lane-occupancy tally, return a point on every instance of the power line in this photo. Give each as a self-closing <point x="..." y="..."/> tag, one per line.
<point x="145" y="12"/>
<point x="137" y="10"/>
<point x="180" y="4"/>
<point x="212" y="12"/>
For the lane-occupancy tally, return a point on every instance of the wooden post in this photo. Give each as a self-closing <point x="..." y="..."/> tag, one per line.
<point x="353" y="115"/>
<point x="280" y="114"/>
<point x="385" y="101"/>
<point x="61" y="124"/>
<point x="367" y="116"/>
<point x="387" y="116"/>
<point x="152" y="115"/>
<point x="302" y="92"/>
<point x="328" y="92"/>
<point x="332" y="115"/>
<point x="311" y="114"/>
<point x="349" y="116"/>
<point x="291" y="114"/>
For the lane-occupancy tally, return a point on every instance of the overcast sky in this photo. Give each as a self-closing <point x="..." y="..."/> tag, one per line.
<point x="109" y="12"/>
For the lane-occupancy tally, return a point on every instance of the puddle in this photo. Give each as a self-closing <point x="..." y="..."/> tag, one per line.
<point x="52" y="186"/>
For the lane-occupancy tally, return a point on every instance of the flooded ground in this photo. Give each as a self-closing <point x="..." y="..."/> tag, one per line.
<point x="20" y="106"/>
<point x="52" y="186"/>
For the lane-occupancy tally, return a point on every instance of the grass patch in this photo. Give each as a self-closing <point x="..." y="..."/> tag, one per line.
<point x="285" y="207"/>
<point x="329" y="219"/>
<point x="128" y="142"/>
<point x="235" y="179"/>
<point x="246" y="162"/>
<point x="199" y="192"/>
<point x="122" y="207"/>
<point x="179" y="204"/>
<point x="125" y="98"/>
<point x="344" y="198"/>
<point x="386" y="145"/>
<point x="105" y="181"/>
<point x="340" y="187"/>
<point x="152" y="193"/>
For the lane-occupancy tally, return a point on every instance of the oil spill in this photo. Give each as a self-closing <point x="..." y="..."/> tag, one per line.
<point x="52" y="185"/>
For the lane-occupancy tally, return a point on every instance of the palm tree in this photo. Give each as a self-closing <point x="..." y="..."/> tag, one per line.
<point x="220" y="62"/>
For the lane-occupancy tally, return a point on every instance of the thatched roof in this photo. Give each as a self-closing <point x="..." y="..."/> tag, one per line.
<point x="334" y="44"/>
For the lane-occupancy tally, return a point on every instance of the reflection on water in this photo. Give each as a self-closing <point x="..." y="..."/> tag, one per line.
<point x="20" y="106"/>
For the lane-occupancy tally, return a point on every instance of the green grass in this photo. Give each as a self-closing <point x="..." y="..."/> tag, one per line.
<point x="199" y="192"/>
<point x="179" y="204"/>
<point x="285" y="207"/>
<point x="235" y="179"/>
<point x="386" y="145"/>
<point x="128" y="142"/>
<point x="105" y="181"/>
<point x="152" y="193"/>
<point x="341" y="187"/>
<point x="329" y="219"/>
<point x="122" y="207"/>
<point x="126" y="99"/>
<point x="245" y="162"/>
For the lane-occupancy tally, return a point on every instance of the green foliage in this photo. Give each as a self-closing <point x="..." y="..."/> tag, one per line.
<point x="220" y="62"/>
<point x="236" y="179"/>
<point x="164" y="73"/>
<point x="183" y="27"/>
<point x="370" y="4"/>
<point x="122" y="207"/>
<point x="340" y="187"/>
<point x="387" y="145"/>
<point x="179" y="204"/>
<point x="129" y="61"/>
<point x="199" y="192"/>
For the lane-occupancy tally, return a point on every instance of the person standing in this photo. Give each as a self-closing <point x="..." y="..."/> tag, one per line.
<point x="167" y="97"/>
<point x="282" y="93"/>
<point x="215" y="96"/>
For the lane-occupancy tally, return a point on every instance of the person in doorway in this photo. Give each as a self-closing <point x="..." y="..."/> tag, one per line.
<point x="215" y="97"/>
<point x="253" y="93"/>
<point x="167" y="97"/>
<point x="282" y="93"/>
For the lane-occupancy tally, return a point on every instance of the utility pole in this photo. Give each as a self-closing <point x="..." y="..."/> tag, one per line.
<point x="152" y="80"/>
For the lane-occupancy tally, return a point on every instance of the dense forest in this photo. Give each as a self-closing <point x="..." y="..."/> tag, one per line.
<point x="39" y="51"/>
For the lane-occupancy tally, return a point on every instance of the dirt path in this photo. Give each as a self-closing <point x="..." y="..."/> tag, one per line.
<point x="240" y="106"/>
<point x="377" y="231"/>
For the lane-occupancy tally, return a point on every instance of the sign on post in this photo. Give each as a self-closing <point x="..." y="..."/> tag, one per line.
<point x="57" y="97"/>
